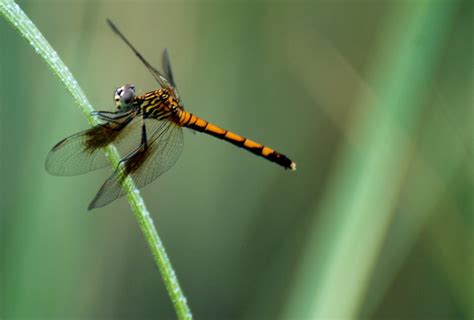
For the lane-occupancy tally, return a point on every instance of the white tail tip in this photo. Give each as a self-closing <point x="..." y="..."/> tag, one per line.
<point x="293" y="166"/>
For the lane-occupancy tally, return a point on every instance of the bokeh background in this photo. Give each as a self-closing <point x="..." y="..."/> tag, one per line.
<point x="372" y="99"/>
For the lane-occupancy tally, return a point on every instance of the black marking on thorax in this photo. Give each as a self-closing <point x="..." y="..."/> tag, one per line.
<point x="155" y="104"/>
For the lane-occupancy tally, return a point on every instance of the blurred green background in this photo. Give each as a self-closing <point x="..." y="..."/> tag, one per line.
<point x="372" y="99"/>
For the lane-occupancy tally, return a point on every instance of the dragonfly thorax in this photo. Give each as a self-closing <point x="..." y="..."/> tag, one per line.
<point x="158" y="104"/>
<point x="124" y="97"/>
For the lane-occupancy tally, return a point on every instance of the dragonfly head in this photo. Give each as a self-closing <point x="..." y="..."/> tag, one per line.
<point x="124" y="97"/>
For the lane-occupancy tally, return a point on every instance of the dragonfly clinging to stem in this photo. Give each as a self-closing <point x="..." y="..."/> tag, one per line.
<point x="147" y="130"/>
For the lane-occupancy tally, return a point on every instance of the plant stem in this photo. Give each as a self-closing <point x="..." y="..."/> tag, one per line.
<point x="20" y="21"/>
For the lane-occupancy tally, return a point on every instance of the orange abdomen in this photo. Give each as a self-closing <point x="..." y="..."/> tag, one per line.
<point x="191" y="121"/>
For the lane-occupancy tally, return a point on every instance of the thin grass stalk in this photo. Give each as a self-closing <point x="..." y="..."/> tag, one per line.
<point x="20" y="21"/>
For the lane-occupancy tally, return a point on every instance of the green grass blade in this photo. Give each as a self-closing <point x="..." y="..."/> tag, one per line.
<point x="362" y="198"/>
<point x="18" y="19"/>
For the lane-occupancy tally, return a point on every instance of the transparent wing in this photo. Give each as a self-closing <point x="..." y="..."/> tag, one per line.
<point x="165" y="144"/>
<point x="154" y="72"/>
<point x="168" y="72"/>
<point x="83" y="152"/>
<point x="167" y="67"/>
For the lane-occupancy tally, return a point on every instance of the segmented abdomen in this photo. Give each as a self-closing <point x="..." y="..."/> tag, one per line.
<point x="193" y="122"/>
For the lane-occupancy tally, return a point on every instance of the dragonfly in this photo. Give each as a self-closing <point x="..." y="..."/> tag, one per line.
<point x="147" y="131"/>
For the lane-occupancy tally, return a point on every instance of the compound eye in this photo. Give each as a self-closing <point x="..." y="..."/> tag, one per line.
<point x="124" y="96"/>
<point x="127" y="95"/>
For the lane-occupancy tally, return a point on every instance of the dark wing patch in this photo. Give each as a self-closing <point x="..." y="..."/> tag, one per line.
<point x="144" y="165"/>
<point x="83" y="152"/>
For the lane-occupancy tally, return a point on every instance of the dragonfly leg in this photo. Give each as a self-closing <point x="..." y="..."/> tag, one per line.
<point x="140" y="149"/>
<point x="110" y="116"/>
<point x="144" y="138"/>
<point x="132" y="162"/>
<point x="95" y="113"/>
